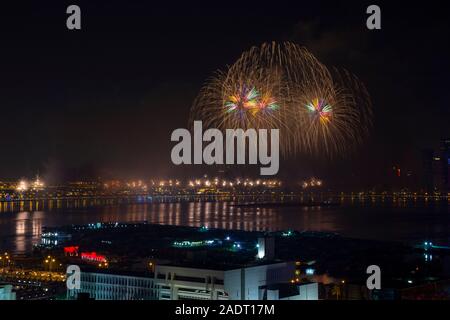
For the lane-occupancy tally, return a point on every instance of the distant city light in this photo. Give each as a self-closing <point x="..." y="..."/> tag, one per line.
<point x="190" y="244"/>
<point x="309" y="271"/>
<point x="313" y="182"/>
<point x="22" y="186"/>
<point x="287" y="233"/>
<point x="37" y="184"/>
<point x="236" y="245"/>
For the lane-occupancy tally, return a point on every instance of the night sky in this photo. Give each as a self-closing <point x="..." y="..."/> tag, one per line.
<point x="103" y="101"/>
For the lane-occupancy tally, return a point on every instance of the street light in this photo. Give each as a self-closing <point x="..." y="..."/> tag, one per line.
<point x="5" y="259"/>
<point x="50" y="261"/>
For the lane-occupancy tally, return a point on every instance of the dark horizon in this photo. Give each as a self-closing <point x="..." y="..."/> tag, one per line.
<point x="104" y="100"/>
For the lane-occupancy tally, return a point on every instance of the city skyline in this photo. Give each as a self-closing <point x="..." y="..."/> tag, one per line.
<point x="224" y="156"/>
<point x="432" y="175"/>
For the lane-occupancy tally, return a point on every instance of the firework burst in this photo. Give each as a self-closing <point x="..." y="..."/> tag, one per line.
<point x="283" y="86"/>
<point x="320" y="109"/>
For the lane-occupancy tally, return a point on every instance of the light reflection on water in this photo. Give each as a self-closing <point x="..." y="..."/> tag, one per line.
<point x="20" y="229"/>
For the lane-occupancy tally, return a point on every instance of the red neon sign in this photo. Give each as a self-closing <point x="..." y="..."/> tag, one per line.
<point x="93" y="256"/>
<point x="71" y="250"/>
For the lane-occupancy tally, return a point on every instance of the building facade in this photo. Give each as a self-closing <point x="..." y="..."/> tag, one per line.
<point x="183" y="283"/>
<point x="247" y="283"/>
<point x="102" y="286"/>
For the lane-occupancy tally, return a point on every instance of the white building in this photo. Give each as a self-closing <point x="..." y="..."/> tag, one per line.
<point x="103" y="286"/>
<point x="246" y="283"/>
<point x="270" y="281"/>
<point x="6" y="292"/>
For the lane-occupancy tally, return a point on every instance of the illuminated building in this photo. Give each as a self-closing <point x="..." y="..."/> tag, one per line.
<point x="103" y="286"/>
<point x="245" y="283"/>
<point x="51" y="239"/>
<point x="271" y="281"/>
